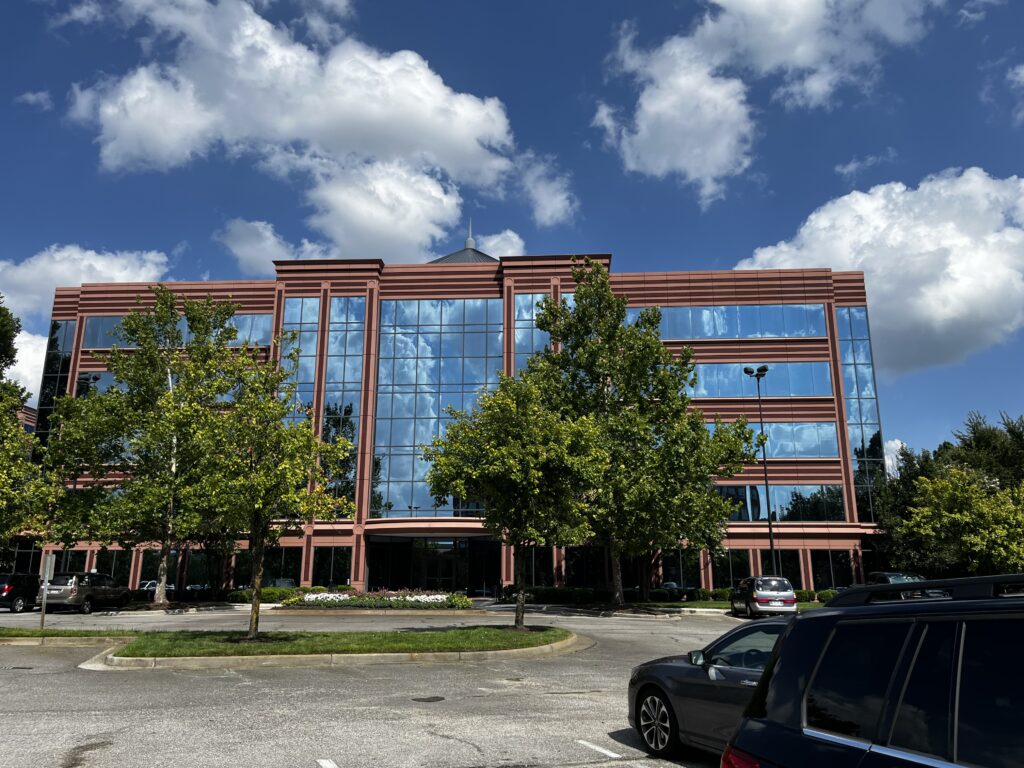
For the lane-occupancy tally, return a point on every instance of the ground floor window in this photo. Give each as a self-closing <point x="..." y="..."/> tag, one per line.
<point x="729" y="567"/>
<point x="469" y="564"/>
<point x="789" y="565"/>
<point x="681" y="567"/>
<point x="539" y="568"/>
<point x="831" y="568"/>
<point x="151" y="566"/>
<point x="20" y="555"/>
<point x="115" y="563"/>
<point x="586" y="566"/>
<point x="332" y="566"/>
<point x="70" y="560"/>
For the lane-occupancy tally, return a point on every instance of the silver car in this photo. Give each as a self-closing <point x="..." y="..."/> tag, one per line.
<point x="84" y="591"/>
<point x="763" y="596"/>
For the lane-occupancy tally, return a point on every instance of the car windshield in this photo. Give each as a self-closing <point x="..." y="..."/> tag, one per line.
<point x="903" y="578"/>
<point x="773" y="585"/>
<point x="62" y="579"/>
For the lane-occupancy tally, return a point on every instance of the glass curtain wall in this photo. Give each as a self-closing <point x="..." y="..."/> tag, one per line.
<point x="798" y="439"/>
<point x="434" y="353"/>
<point x="343" y="383"/>
<point x="789" y="565"/>
<point x="56" y="369"/>
<point x="831" y="568"/>
<point x="302" y="316"/>
<point x="528" y="338"/>
<point x="331" y="566"/>
<point x="783" y="380"/>
<point x="729" y="567"/>
<point x="790" y="503"/>
<point x="751" y="321"/>
<point x="862" y="418"/>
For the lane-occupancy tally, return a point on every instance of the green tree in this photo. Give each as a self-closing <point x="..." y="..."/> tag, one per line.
<point x="528" y="466"/>
<point x="135" y="455"/>
<point x="24" y="491"/>
<point x="663" y="460"/>
<point x="996" y="450"/>
<point x="962" y="525"/>
<point x="268" y="472"/>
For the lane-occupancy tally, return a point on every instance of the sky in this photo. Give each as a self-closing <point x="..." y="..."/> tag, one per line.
<point x="186" y="139"/>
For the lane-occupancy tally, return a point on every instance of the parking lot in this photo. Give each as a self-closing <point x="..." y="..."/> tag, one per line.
<point x="561" y="711"/>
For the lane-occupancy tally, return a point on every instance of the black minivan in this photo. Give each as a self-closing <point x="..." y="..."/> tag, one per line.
<point x="18" y="591"/>
<point x="874" y="680"/>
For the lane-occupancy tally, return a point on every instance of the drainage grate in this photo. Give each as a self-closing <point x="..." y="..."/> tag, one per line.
<point x="430" y="699"/>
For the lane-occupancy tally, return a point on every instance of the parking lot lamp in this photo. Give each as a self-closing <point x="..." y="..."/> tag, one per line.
<point x="757" y="375"/>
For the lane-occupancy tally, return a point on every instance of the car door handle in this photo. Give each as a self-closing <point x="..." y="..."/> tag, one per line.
<point x="749" y="683"/>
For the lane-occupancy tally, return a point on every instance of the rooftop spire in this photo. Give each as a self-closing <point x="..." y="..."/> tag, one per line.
<point x="470" y="242"/>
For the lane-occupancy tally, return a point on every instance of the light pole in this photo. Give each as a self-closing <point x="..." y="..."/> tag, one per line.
<point x="757" y="376"/>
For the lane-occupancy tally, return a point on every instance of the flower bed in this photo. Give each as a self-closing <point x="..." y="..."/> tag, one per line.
<point x="381" y="600"/>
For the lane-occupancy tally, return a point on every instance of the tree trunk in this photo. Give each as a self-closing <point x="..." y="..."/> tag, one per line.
<point x="160" y="593"/>
<point x="258" y="550"/>
<point x="616" y="556"/>
<point x="520" y="571"/>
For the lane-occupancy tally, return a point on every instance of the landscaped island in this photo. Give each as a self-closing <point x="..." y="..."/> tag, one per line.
<point x="405" y="600"/>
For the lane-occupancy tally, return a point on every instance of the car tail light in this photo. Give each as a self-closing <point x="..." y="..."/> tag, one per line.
<point x="74" y="587"/>
<point x="734" y="758"/>
<point x="6" y="589"/>
<point x="789" y="601"/>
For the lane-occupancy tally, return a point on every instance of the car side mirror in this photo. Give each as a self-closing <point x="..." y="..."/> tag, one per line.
<point x="697" y="658"/>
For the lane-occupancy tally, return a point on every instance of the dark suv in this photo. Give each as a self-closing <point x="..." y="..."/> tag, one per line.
<point x="875" y="681"/>
<point x="18" y="591"/>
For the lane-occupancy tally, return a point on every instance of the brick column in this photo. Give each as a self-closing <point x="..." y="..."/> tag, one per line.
<point x="307" y="557"/>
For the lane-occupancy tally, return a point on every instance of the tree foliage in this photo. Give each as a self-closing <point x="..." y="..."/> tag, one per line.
<point x="659" y="489"/>
<point x="962" y="525"/>
<point x="268" y="472"/>
<point x="533" y="471"/>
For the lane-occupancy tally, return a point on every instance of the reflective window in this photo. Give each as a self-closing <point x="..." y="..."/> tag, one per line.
<point x="255" y="330"/>
<point x="56" y="369"/>
<point x="831" y="568"/>
<point x="849" y="704"/>
<point x="332" y="566"/>
<point x="95" y="381"/>
<point x="751" y="321"/>
<point x="343" y="379"/>
<point x="991" y="695"/>
<point x="800" y="440"/>
<point x="101" y="332"/>
<point x="729" y="567"/>
<point x="783" y="380"/>
<point x="923" y="718"/>
<point x="302" y="317"/>
<point x="790" y="503"/>
<point x="434" y="354"/>
<point x="861" y="405"/>
<point x="789" y="565"/>
<point x="746" y="650"/>
<point x="528" y="338"/>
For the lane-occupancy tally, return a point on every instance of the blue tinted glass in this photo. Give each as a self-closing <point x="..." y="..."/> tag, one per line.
<point x="773" y="321"/>
<point x="407" y="312"/>
<point x="780" y="439"/>
<point x="429" y="345"/>
<point x="388" y="312"/>
<point x="494" y="311"/>
<point x="353" y="369"/>
<point x="805" y="441"/>
<point x="816" y="320"/>
<point x="310" y="310"/>
<point x="862" y="351"/>
<point x="702" y="321"/>
<point x="852" y="410"/>
<point x="675" y="323"/>
<point x="795" y="320"/>
<point x="405" y="371"/>
<point x="778" y="382"/>
<point x="859" y="322"/>
<point x="100" y="332"/>
<point x="707" y="380"/>
<point x="475" y="345"/>
<point x="632" y="313"/>
<point x="849" y="381"/>
<point x="865" y="381"/>
<point x="336" y="343"/>
<point x="451" y="343"/>
<point x="476" y="311"/>
<point x="524" y="304"/>
<point x="843" y="322"/>
<point x="339" y="309"/>
<point x="727" y="322"/>
<point x="293" y="310"/>
<point x="828" y="439"/>
<point x="822" y="379"/>
<point x="869" y="411"/>
<point x="405" y="345"/>
<point x="730" y="380"/>
<point x="453" y="312"/>
<point x="451" y="370"/>
<point x="846" y="352"/>
<point x="494" y="343"/>
<point x="430" y="312"/>
<point x="387" y="345"/>
<point x="355" y="342"/>
<point x="262" y="330"/>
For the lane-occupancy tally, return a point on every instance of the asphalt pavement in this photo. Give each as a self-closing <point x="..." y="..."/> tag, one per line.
<point x="562" y="711"/>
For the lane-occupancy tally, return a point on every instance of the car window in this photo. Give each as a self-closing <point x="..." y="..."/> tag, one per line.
<point x="852" y="678"/>
<point x="922" y="719"/>
<point x="62" y="579"/>
<point x="774" y="585"/>
<point x="991" y="698"/>
<point x="749" y="650"/>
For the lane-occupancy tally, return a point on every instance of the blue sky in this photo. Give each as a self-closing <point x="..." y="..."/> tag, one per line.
<point x="185" y="139"/>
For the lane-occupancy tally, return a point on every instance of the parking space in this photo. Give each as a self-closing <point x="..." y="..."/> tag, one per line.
<point x="568" y="710"/>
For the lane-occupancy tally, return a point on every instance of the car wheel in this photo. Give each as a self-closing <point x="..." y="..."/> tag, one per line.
<point x="18" y="605"/>
<point x="656" y="724"/>
<point x="86" y="606"/>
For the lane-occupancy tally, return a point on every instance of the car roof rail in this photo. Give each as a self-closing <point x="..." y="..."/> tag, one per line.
<point x="972" y="588"/>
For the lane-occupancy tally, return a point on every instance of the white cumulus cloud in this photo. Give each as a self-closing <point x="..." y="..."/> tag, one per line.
<point x="892" y="452"/>
<point x="256" y="246"/>
<point x="28" y="285"/>
<point x="504" y="243"/>
<point x="856" y="165"/>
<point x="28" y="366"/>
<point x="350" y="122"/>
<point x="943" y="262"/>
<point x="692" y="120"/>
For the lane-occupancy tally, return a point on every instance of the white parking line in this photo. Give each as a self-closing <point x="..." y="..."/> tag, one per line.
<point x="602" y="750"/>
<point x="327" y="764"/>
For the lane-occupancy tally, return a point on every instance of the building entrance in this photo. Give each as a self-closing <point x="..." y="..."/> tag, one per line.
<point x="470" y="564"/>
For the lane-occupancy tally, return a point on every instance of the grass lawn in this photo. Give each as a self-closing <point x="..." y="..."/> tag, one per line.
<point x="724" y="605"/>
<point x="164" y="644"/>
<point x="35" y="632"/>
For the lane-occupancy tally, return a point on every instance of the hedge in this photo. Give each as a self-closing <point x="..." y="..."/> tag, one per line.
<point x="406" y="599"/>
<point x="277" y="594"/>
<point x="826" y="594"/>
<point x="805" y="595"/>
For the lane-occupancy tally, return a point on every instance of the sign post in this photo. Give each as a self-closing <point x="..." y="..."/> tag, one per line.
<point x="49" y="562"/>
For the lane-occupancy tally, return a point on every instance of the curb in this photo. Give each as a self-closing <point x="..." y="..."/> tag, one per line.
<point x="105" y="662"/>
<point x="64" y="641"/>
<point x="650" y="613"/>
<point x="377" y="611"/>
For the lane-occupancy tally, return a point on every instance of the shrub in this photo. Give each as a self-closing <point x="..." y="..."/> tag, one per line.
<point x="270" y="594"/>
<point x="700" y="594"/>
<point x="826" y="594"/>
<point x="723" y="593"/>
<point x="382" y="600"/>
<point x="660" y="595"/>
<point x="805" y="595"/>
